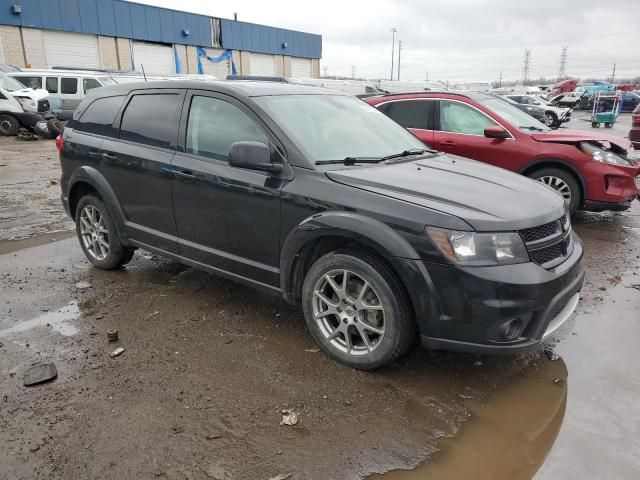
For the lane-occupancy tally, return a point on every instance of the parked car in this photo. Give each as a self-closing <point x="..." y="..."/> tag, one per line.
<point x="66" y="87"/>
<point x="535" y="111"/>
<point x="568" y="100"/>
<point x="319" y="197"/>
<point x="634" y="133"/>
<point x="19" y="106"/>
<point x="591" y="170"/>
<point x="552" y="116"/>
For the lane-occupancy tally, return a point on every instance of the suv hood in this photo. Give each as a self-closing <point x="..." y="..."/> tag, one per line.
<point x="486" y="197"/>
<point x="575" y="136"/>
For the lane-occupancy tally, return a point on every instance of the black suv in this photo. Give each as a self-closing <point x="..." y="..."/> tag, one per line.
<point x="320" y="197"/>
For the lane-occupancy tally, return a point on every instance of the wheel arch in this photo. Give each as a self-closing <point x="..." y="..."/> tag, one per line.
<point x="556" y="163"/>
<point x="86" y="180"/>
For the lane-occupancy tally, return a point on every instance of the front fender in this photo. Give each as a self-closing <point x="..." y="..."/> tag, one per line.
<point x="550" y="161"/>
<point x="91" y="176"/>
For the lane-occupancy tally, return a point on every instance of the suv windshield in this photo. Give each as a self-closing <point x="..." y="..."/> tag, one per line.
<point x="514" y="116"/>
<point x="10" y="84"/>
<point x="332" y="127"/>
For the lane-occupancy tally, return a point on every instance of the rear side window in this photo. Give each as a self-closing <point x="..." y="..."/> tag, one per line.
<point x="214" y="125"/>
<point x="52" y="84"/>
<point x="69" y="86"/>
<point x="99" y="116"/>
<point x="459" y="118"/>
<point x="90" y="84"/>
<point x="411" y="113"/>
<point x="150" y="119"/>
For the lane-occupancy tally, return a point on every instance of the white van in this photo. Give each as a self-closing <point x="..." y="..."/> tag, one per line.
<point x="19" y="106"/>
<point x="353" y="87"/>
<point x="66" y="88"/>
<point x="397" y="86"/>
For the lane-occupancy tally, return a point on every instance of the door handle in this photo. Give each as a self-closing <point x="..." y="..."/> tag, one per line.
<point x="186" y="175"/>
<point x="110" y="157"/>
<point x="449" y="143"/>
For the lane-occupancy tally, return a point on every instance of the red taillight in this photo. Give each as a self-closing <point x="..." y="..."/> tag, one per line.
<point x="635" y="119"/>
<point x="59" y="143"/>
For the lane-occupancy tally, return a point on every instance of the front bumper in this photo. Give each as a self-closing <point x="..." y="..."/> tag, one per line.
<point x="610" y="184"/>
<point x="474" y="306"/>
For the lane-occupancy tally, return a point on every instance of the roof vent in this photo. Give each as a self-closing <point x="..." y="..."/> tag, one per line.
<point x="16" y="9"/>
<point x="185" y="32"/>
<point x="284" y="45"/>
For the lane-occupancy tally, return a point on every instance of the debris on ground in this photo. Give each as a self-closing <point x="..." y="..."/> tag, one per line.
<point x="553" y="356"/>
<point x="312" y="350"/>
<point x="213" y="436"/>
<point x="477" y="363"/>
<point x="177" y="429"/>
<point x="112" y="334"/>
<point x="289" y="417"/>
<point x="83" y="285"/>
<point x="116" y="352"/>
<point x="40" y="374"/>
<point x="616" y="279"/>
<point x="635" y="285"/>
<point x="282" y="476"/>
<point x="557" y="380"/>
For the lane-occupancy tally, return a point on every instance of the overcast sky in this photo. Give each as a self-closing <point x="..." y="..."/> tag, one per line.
<point x="455" y="40"/>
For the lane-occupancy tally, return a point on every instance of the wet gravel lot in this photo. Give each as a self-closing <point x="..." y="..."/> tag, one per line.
<point x="209" y="366"/>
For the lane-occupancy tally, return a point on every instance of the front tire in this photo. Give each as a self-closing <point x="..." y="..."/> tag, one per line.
<point x="562" y="182"/>
<point x="98" y="235"/>
<point x="356" y="309"/>
<point x="9" y="125"/>
<point x="551" y="119"/>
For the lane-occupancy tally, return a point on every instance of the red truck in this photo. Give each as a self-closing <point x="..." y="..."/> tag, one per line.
<point x="565" y="86"/>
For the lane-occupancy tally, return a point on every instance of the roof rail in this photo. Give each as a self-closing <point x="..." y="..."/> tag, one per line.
<point x="258" y="78"/>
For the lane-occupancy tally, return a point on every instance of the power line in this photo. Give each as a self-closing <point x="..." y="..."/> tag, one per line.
<point x="399" y="51"/>
<point x="525" y="66"/>
<point x="562" y="73"/>
<point x="393" y="46"/>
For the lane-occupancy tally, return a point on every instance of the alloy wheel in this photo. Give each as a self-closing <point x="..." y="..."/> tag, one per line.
<point x="559" y="185"/>
<point x="5" y="126"/>
<point x="94" y="232"/>
<point x="549" y="120"/>
<point x="348" y="312"/>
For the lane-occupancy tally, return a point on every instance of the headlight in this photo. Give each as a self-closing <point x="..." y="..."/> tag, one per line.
<point x="600" y="155"/>
<point x="479" y="249"/>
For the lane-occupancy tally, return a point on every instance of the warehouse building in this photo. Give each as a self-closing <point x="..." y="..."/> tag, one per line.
<point x="126" y="36"/>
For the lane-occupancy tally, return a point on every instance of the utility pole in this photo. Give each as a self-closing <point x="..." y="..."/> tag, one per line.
<point x="562" y="73"/>
<point x="353" y="71"/>
<point x="399" y="50"/>
<point x="500" y="81"/>
<point x="525" y="66"/>
<point x="613" y="75"/>
<point x="326" y="69"/>
<point x="427" y="79"/>
<point x="393" y="49"/>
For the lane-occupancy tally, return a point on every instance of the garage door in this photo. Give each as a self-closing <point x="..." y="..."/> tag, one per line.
<point x="300" y="67"/>
<point x="156" y="59"/>
<point x="263" y="65"/>
<point x="62" y="49"/>
<point x="218" y="70"/>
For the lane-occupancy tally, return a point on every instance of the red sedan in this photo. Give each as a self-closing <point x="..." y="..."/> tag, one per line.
<point x="591" y="170"/>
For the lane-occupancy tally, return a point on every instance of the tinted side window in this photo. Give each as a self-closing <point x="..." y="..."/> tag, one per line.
<point x="69" y="86"/>
<point x="411" y="113"/>
<point x="89" y="84"/>
<point x="52" y="84"/>
<point x="151" y="119"/>
<point x="30" y="82"/>
<point x="214" y="125"/>
<point x="459" y="118"/>
<point x="99" y="116"/>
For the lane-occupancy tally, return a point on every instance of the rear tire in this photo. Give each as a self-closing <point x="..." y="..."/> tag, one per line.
<point x="368" y="323"/>
<point x="608" y="125"/>
<point x="42" y="130"/>
<point x="98" y="235"/>
<point x="563" y="182"/>
<point x="55" y="126"/>
<point x="551" y="119"/>
<point x="9" y="125"/>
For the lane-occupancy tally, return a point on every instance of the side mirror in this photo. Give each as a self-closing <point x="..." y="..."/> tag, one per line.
<point x="253" y="156"/>
<point x="496" y="131"/>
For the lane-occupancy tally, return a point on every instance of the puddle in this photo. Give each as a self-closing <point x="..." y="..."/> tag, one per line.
<point x="508" y="437"/>
<point x="59" y="321"/>
<point x="10" y="246"/>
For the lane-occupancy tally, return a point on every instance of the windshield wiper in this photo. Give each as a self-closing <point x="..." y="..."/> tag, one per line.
<point x="350" y="161"/>
<point x="531" y="127"/>
<point x="406" y="153"/>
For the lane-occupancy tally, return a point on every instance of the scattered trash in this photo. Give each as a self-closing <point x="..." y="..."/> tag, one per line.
<point x="289" y="417"/>
<point x="112" y="334"/>
<point x="213" y="436"/>
<point x="228" y="341"/>
<point x="477" y="363"/>
<point x="553" y="356"/>
<point x="465" y="397"/>
<point x="116" y="352"/>
<point x="282" y="476"/>
<point x="40" y="374"/>
<point x="557" y="380"/>
<point x="312" y="350"/>
<point x="347" y="402"/>
<point x="616" y="279"/>
<point x="177" y="429"/>
<point x="83" y="285"/>
<point x="635" y="285"/>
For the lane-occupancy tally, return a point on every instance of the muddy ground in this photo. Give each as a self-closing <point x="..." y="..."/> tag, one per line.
<point x="209" y="366"/>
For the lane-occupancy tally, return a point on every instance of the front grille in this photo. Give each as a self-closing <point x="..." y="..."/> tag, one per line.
<point x="543" y="231"/>
<point x="549" y="242"/>
<point x="43" y="105"/>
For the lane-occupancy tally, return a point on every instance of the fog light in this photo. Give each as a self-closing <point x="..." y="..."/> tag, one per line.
<point x="512" y="329"/>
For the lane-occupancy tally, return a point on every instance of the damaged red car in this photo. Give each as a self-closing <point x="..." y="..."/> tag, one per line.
<point x="591" y="170"/>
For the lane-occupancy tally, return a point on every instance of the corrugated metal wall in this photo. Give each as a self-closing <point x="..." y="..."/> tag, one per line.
<point x="263" y="39"/>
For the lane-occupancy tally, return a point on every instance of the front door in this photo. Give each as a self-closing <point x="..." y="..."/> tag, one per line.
<point x="228" y="218"/>
<point x="460" y="131"/>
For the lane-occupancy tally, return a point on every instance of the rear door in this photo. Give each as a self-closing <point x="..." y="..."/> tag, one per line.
<point x="227" y="218"/>
<point x="417" y="115"/>
<point x="460" y="131"/>
<point x="137" y="165"/>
